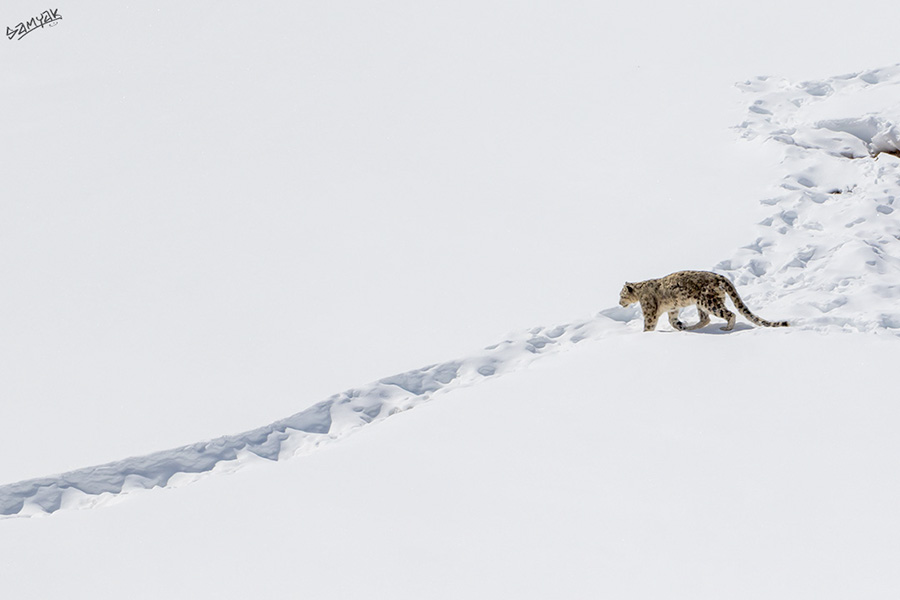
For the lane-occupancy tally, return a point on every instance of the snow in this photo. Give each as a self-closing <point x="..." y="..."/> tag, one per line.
<point x="810" y="267"/>
<point x="594" y="469"/>
<point x="210" y="228"/>
<point x="301" y="433"/>
<point x="829" y="251"/>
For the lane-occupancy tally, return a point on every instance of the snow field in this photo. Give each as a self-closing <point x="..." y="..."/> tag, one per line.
<point x="827" y="258"/>
<point x="216" y="215"/>
<point x="757" y="464"/>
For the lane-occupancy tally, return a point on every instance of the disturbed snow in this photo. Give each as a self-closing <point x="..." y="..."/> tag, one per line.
<point x="827" y="258"/>
<point x="828" y="254"/>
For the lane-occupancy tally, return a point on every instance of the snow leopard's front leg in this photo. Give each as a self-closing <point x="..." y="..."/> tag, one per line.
<point x="651" y="314"/>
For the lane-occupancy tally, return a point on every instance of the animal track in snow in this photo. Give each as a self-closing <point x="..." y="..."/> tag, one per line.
<point x="833" y="225"/>
<point x="325" y="422"/>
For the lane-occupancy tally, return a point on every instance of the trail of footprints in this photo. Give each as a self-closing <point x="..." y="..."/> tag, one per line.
<point x="829" y="253"/>
<point x="325" y="422"/>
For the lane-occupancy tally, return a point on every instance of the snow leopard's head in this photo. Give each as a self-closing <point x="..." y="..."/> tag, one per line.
<point x="628" y="295"/>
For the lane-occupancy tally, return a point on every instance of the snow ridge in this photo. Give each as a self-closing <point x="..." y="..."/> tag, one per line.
<point x="828" y="255"/>
<point x="325" y="422"/>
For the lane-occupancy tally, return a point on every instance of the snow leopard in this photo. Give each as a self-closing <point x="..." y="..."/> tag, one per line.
<point x="675" y="291"/>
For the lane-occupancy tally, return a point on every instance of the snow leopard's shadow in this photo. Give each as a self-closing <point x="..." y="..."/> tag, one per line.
<point x="716" y="329"/>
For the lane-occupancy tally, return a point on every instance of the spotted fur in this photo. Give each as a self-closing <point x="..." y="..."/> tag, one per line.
<point x="673" y="292"/>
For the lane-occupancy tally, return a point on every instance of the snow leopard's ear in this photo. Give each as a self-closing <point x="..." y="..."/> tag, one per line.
<point x="629" y="287"/>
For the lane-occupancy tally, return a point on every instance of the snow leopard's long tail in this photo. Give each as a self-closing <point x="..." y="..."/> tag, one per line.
<point x="742" y="308"/>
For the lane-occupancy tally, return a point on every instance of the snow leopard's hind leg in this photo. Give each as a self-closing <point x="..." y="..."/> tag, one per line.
<point x="715" y="304"/>
<point x="675" y="321"/>
<point x="703" y="322"/>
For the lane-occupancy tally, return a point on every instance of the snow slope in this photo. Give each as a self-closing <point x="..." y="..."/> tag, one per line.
<point x="593" y="470"/>
<point x="210" y="222"/>
<point x="827" y="257"/>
